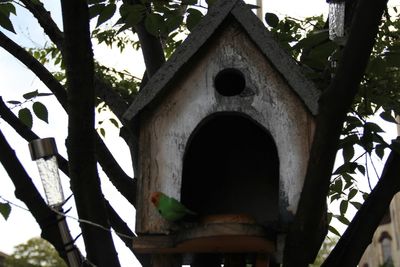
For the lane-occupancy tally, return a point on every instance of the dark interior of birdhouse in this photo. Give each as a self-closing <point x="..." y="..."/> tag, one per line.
<point x="231" y="166"/>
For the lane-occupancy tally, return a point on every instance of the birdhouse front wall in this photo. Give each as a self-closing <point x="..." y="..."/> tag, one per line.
<point x="168" y="123"/>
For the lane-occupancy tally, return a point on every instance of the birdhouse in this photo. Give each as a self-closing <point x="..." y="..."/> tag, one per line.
<point x="225" y="127"/>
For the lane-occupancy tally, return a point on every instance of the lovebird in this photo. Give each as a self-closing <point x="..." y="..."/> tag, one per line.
<point x="169" y="208"/>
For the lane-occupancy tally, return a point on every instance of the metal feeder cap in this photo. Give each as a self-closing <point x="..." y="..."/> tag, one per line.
<point x="42" y="148"/>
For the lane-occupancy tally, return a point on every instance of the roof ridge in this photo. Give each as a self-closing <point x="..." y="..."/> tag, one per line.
<point x="256" y="30"/>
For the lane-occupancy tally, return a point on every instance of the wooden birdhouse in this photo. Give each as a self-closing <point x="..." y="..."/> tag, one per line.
<point x="225" y="127"/>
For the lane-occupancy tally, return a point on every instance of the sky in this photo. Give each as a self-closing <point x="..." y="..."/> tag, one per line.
<point x="16" y="79"/>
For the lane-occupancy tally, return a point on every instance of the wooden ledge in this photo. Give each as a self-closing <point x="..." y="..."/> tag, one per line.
<point x="212" y="236"/>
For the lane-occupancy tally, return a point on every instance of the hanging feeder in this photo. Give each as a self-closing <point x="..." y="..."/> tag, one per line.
<point x="336" y="21"/>
<point x="43" y="152"/>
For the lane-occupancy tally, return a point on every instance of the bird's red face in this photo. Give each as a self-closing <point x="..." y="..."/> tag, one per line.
<point x="155" y="198"/>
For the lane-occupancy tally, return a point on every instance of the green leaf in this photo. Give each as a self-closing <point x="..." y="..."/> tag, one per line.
<point x="30" y="95"/>
<point x="353" y="192"/>
<point x="361" y="169"/>
<point x="153" y="23"/>
<point x="356" y="205"/>
<point x="7" y="8"/>
<point x="95" y="10"/>
<point x="44" y="94"/>
<point x="40" y="111"/>
<point x="348" y="153"/>
<point x="347" y="167"/>
<point x="337" y="186"/>
<point x="102" y="132"/>
<point x="106" y="14"/>
<point x="343" y="206"/>
<point x="271" y="19"/>
<point x="14" y="102"/>
<point x="313" y="39"/>
<point x="387" y="116"/>
<point x="25" y="116"/>
<point x="5" y="210"/>
<point x="114" y="122"/>
<point x="210" y="2"/>
<point x="380" y="150"/>
<point x="172" y="23"/>
<point x="6" y="23"/>
<point x="132" y="14"/>
<point x="373" y="127"/>
<point x="193" y="18"/>
<point x="333" y="230"/>
<point x="343" y="220"/>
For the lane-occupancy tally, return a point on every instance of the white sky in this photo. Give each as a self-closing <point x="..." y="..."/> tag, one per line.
<point x="16" y="80"/>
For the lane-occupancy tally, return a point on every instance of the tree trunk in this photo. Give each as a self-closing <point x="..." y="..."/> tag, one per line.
<point x="85" y="182"/>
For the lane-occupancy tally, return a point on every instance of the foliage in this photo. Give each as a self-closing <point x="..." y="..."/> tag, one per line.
<point x="6" y="9"/>
<point x="326" y="248"/>
<point x="305" y="40"/>
<point x="38" y="108"/>
<point x="36" y="252"/>
<point x="309" y="43"/>
<point x="5" y="209"/>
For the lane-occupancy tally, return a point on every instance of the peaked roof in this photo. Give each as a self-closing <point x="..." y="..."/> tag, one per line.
<point x="257" y="32"/>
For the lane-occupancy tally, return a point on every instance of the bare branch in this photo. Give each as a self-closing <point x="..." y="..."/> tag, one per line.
<point x="45" y="20"/>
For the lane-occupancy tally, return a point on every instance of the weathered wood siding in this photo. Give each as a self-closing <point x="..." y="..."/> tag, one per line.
<point x="166" y="127"/>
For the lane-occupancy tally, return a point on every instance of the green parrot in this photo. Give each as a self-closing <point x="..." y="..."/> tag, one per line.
<point x="169" y="208"/>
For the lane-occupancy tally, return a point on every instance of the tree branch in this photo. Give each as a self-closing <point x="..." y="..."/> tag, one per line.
<point x="25" y="132"/>
<point x="46" y="22"/>
<point x="116" y="222"/>
<point x="121" y="227"/>
<point x="358" y="235"/>
<point x="124" y="184"/>
<point x="117" y="176"/>
<point x="85" y="183"/>
<point x="106" y="93"/>
<point x="26" y="191"/>
<point x="153" y="53"/>
<point x="304" y="240"/>
<point x="103" y="89"/>
<point x="36" y="67"/>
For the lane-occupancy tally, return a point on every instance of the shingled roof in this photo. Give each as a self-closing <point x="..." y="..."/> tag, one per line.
<point x="257" y="32"/>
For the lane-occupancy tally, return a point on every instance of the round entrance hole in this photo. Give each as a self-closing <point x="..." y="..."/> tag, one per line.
<point x="230" y="82"/>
